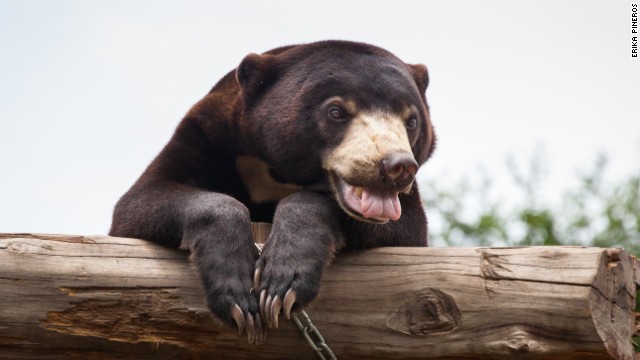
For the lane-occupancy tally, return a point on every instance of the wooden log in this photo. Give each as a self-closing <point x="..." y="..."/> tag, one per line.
<point x="97" y="297"/>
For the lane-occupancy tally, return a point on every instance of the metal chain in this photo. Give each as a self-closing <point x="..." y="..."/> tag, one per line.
<point x="308" y="329"/>
<point x="320" y="346"/>
<point x="259" y="248"/>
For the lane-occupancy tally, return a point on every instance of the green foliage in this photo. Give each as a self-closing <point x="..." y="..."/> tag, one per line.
<point x="540" y="227"/>
<point x="594" y="213"/>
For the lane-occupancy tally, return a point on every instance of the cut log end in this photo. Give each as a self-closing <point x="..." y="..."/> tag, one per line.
<point x="613" y="298"/>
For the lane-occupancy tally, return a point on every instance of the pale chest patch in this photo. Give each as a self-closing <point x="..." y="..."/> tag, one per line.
<point x="261" y="185"/>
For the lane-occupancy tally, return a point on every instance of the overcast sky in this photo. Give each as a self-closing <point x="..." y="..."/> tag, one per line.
<point x="90" y="91"/>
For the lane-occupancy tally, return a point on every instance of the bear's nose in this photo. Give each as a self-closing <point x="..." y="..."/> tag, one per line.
<point x="399" y="168"/>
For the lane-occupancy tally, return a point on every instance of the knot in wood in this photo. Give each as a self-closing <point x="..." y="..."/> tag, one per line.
<point x="425" y="312"/>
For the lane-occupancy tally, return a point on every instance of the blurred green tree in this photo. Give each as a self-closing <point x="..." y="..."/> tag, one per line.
<point x="595" y="213"/>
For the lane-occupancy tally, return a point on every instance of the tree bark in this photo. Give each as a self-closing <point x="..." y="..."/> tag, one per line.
<point x="98" y="297"/>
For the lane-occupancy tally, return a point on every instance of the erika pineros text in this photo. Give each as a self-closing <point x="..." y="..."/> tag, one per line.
<point x="634" y="30"/>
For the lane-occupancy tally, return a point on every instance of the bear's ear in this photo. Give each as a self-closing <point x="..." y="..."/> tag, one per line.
<point x="420" y="75"/>
<point x="255" y="71"/>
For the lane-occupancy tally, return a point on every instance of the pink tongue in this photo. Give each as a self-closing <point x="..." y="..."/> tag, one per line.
<point x="380" y="205"/>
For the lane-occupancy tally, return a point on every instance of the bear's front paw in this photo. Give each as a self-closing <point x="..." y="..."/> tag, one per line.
<point x="238" y="306"/>
<point x="287" y="281"/>
<point x="227" y="280"/>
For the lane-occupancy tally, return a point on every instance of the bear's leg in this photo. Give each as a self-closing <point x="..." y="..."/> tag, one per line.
<point x="304" y="236"/>
<point x="216" y="229"/>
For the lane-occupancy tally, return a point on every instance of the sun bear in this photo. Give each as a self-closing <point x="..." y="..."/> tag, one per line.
<point x="323" y="140"/>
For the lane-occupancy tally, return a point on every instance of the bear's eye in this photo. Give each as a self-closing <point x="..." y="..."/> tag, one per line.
<point x="336" y="113"/>
<point x="412" y="123"/>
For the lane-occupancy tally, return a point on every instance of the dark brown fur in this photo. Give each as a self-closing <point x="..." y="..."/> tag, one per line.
<point x="192" y="195"/>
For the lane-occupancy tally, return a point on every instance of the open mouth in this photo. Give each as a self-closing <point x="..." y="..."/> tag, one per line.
<point x="366" y="204"/>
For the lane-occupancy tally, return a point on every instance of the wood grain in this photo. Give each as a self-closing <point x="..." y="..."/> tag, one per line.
<point x="98" y="297"/>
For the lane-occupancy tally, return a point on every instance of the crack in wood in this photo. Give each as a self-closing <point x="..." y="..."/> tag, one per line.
<point x="133" y="315"/>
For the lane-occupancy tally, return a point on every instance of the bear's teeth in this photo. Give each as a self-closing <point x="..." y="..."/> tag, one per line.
<point x="357" y="191"/>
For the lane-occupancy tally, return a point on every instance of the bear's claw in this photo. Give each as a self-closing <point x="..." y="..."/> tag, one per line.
<point x="276" y="307"/>
<point x="256" y="279"/>
<point x="256" y="333"/>
<point x="270" y="307"/>
<point x="260" y="331"/>
<point x="263" y="298"/>
<point x="253" y="325"/>
<point x="238" y="317"/>
<point x="266" y="312"/>
<point x="251" y="330"/>
<point x="289" y="300"/>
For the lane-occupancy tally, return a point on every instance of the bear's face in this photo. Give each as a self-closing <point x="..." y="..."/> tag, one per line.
<point x="355" y="116"/>
<point x="373" y="162"/>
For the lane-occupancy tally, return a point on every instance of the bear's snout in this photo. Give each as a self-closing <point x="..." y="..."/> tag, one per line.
<point x="375" y="152"/>
<point x="399" y="169"/>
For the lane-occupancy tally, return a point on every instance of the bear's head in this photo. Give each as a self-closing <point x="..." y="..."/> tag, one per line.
<point x="348" y="115"/>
